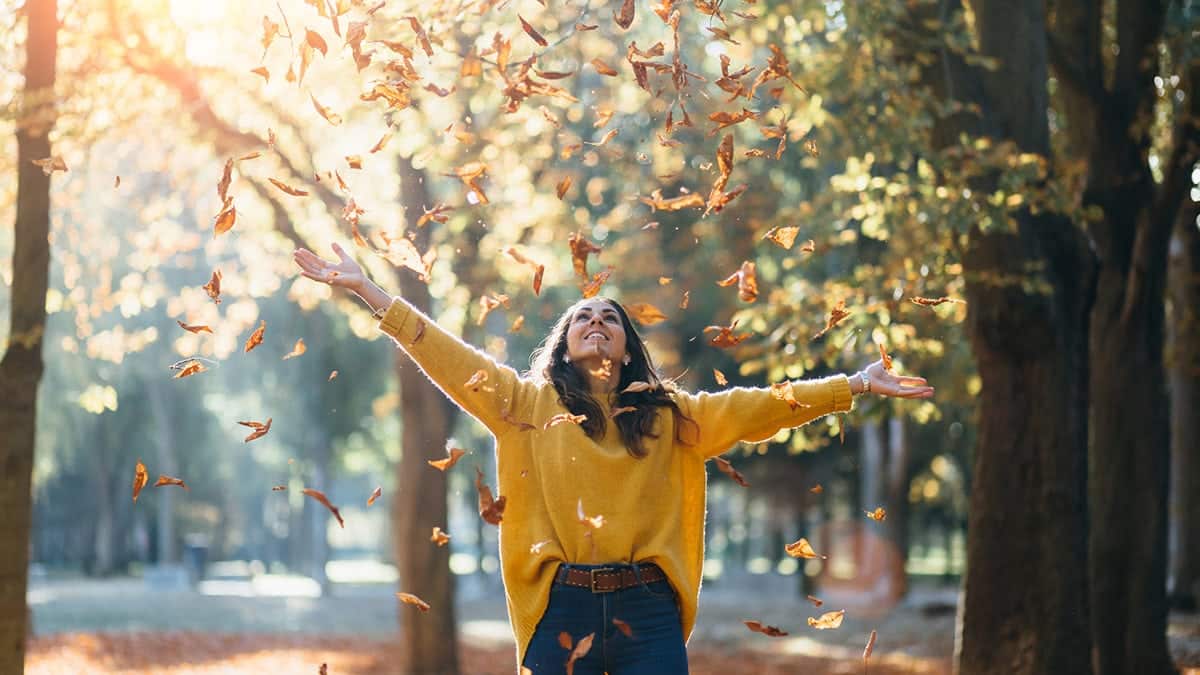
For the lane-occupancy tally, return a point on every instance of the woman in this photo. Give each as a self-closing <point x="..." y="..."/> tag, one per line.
<point x="636" y="460"/>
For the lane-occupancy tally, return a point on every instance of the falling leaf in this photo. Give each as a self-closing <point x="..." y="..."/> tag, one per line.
<point x="612" y="133"/>
<point x="816" y="602"/>
<point x="581" y="649"/>
<point x="475" y="382"/>
<point x="226" y="179"/>
<point x="784" y="392"/>
<point x="564" y="640"/>
<point x="191" y="368"/>
<point x="802" y="549"/>
<point x="816" y="489"/>
<point x="354" y="161"/>
<point x="562" y="418"/>
<point x="522" y="426"/>
<point x="810" y="247"/>
<point x="295" y="192"/>
<point x="883" y="355"/>
<point x="581" y="27"/>
<point x="381" y="143"/>
<point x="469" y="174"/>
<point x="720" y="377"/>
<point x="725" y="337"/>
<point x="624" y="17"/>
<point x="877" y="515"/>
<point x="262" y="72"/>
<point x="637" y="387"/>
<point x="253" y="154"/>
<point x="603" y="68"/>
<point x="683" y="303"/>
<point x="810" y="146"/>
<point x="604" y="371"/>
<point x="260" y="429"/>
<point x="194" y="329"/>
<point x="331" y="117"/>
<point x="225" y="219"/>
<point x="320" y="497"/>
<point x="315" y="40"/>
<point x="438" y="537"/>
<point x="685" y="201"/>
<point x="170" y="480"/>
<point x="532" y="32"/>
<point x="270" y="30"/>
<point x="593" y="522"/>
<point x="256" y="337"/>
<point x="836" y="316"/>
<point x="563" y="186"/>
<point x="747" y="282"/>
<point x="332" y="374"/>
<point x="726" y="468"/>
<point x="828" y="620"/>
<point x="444" y="464"/>
<point x="580" y="249"/>
<point x="422" y="37"/>
<point x="375" y="495"/>
<point x="784" y="236"/>
<point x="296" y="351"/>
<point x="623" y="627"/>
<point x="769" y="631"/>
<point x="536" y="548"/>
<point x="140" y="478"/>
<point x="538" y="269"/>
<point x="438" y="214"/>
<point x="592" y="288"/>
<point x="934" y="302"/>
<point x="869" y="648"/>
<point x="410" y="599"/>
<point x="645" y="313"/>
<point x="279" y="488"/>
<point x="51" y="164"/>
<point x="116" y="182"/>
<point x="491" y="510"/>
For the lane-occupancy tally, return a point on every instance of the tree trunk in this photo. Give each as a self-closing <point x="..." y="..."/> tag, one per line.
<point x="429" y="640"/>
<point x="896" y="497"/>
<point x="21" y="368"/>
<point x="166" y="550"/>
<point x="1024" y="609"/>
<point x="1184" y="380"/>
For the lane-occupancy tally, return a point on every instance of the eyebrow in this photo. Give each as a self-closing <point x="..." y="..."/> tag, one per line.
<point x="606" y="310"/>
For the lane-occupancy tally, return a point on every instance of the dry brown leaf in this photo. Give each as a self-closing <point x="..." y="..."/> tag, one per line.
<point x="320" y="497"/>
<point x="581" y="649"/>
<point x="140" y="478"/>
<point x="603" y="68"/>
<point x="563" y="186"/>
<point x="51" y="164"/>
<point x="784" y="236"/>
<point x="376" y="494"/>
<point x="410" y="599"/>
<point x="720" y="377"/>
<point x="256" y="337"/>
<point x="532" y="32"/>
<point x="934" y="302"/>
<point x="622" y="410"/>
<point x="297" y="350"/>
<point x="453" y="455"/>
<point x="381" y="143"/>
<point x="191" y="368"/>
<point x="809" y="247"/>
<point x="330" y="116"/>
<point x="878" y="514"/>
<point x="260" y="429"/>
<point x="724" y="337"/>
<point x="592" y="288"/>
<point x="828" y="620"/>
<point x="816" y="489"/>
<point x="746" y="280"/>
<point x="593" y="522"/>
<point x="438" y="537"/>
<point x="612" y="133"/>
<point x="625" y="628"/>
<point x="759" y="627"/>
<point x="869" y="648"/>
<point x="784" y="392"/>
<point x="226" y="219"/>
<point x="816" y="602"/>
<point x="802" y="549"/>
<point x="563" y="418"/>
<point x="836" y="316"/>
<point x="726" y="468"/>
<point x="194" y="329"/>
<point x="491" y="510"/>
<point x="645" y="313"/>
<point x="295" y="192"/>
<point x="170" y="480"/>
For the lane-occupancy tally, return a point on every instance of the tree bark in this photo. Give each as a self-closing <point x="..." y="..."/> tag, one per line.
<point x="429" y="640"/>
<point x="1183" y="362"/>
<point x="1024" y="608"/>
<point x="21" y="367"/>
<point x="896" y="497"/>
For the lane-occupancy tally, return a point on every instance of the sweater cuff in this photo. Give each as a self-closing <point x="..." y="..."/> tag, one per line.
<point x="843" y="400"/>
<point x="394" y="320"/>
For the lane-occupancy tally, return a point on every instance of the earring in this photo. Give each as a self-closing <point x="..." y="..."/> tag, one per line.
<point x="566" y="358"/>
<point x="625" y="359"/>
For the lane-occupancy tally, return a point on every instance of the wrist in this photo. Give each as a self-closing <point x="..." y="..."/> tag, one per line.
<point x="856" y="386"/>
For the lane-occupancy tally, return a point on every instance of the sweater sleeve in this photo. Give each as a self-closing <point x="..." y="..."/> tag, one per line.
<point x="754" y="414"/>
<point x="451" y="363"/>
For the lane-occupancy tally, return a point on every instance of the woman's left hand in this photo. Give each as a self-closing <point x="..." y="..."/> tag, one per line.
<point x="884" y="383"/>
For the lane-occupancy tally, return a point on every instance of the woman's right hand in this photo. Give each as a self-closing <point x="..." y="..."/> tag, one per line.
<point x="346" y="273"/>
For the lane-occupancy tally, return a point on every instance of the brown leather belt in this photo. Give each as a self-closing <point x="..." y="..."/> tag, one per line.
<point x="609" y="579"/>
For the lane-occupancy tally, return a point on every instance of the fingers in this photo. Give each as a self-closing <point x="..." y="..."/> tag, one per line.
<point x="341" y="253"/>
<point x="912" y="381"/>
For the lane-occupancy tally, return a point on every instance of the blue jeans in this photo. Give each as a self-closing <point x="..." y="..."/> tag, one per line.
<point x="656" y="648"/>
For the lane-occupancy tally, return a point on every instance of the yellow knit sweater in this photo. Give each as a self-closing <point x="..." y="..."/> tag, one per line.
<point x="653" y="507"/>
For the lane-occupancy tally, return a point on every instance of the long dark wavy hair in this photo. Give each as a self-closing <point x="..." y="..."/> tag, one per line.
<point x="572" y="385"/>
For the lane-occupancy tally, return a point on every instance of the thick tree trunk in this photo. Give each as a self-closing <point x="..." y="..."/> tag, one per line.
<point x="21" y="368"/>
<point x="429" y="640"/>
<point x="1025" y="595"/>
<point x="896" y="497"/>
<point x="1183" y="364"/>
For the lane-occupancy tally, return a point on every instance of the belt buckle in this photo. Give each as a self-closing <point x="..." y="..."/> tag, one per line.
<point x="593" y="581"/>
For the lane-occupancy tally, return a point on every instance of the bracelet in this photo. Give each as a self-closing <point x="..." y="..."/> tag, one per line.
<point x="379" y="313"/>
<point x="866" y="382"/>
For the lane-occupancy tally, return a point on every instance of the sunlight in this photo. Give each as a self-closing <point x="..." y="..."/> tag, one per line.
<point x="200" y="22"/>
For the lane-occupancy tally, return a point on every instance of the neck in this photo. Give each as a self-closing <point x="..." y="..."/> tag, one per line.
<point x="598" y="386"/>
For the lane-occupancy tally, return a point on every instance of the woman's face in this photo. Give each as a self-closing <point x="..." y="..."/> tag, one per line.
<point x="595" y="333"/>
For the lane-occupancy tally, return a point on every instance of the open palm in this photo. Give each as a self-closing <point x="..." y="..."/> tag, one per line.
<point x="345" y="273"/>
<point x="885" y="383"/>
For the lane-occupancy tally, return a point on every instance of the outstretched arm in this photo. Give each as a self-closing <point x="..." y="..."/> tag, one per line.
<point x="758" y="413"/>
<point x="489" y="391"/>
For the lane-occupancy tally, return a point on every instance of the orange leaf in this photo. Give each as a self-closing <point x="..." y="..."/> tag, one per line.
<point x="410" y="599"/>
<point x="810" y="247"/>
<point x="331" y="117"/>
<point x="376" y="494"/>
<point x="816" y="489"/>
<point x="297" y="350"/>
<point x="816" y="602"/>
<point x="592" y="288"/>
<point x="720" y="377"/>
<point x="747" y="282"/>
<point x="623" y="627"/>
<point x="169" y="480"/>
<point x="726" y="468"/>
<point x="532" y="32"/>
<point x="622" y="410"/>
<point x="724" y="337"/>
<point x="491" y="510"/>
<point x="877" y="515"/>
<point x="645" y="313"/>
<point x="769" y="631"/>
<point x="354" y="161"/>
<point x="51" y="164"/>
<point x="295" y="192"/>
<point x="593" y="522"/>
<point x="603" y="68"/>
<point x="887" y="360"/>
<point x="381" y="143"/>
<point x="784" y="392"/>
<point x="225" y="219"/>
<point x="869" y="648"/>
<point x="223" y="184"/>
<point x="439" y="537"/>
<point x="451" y="460"/>
<point x="260" y="429"/>
<point x="194" y="329"/>
<point x="256" y="337"/>
<point x="802" y="549"/>
<point x="580" y="249"/>
<point x="320" y="497"/>
<point x="191" y="368"/>
<point x="612" y="133"/>
<point x="565" y="641"/>
<point x="836" y="315"/>
<point x="934" y="302"/>
<point x="784" y="236"/>
<point x="828" y="620"/>
<point x="140" y="477"/>
<point x="562" y="418"/>
<point x="315" y="40"/>
<point x="581" y="649"/>
<point x="624" y="17"/>
<point x="563" y="186"/>
<point x="262" y="72"/>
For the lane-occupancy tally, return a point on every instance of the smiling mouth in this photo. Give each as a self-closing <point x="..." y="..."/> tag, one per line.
<point x="589" y="336"/>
